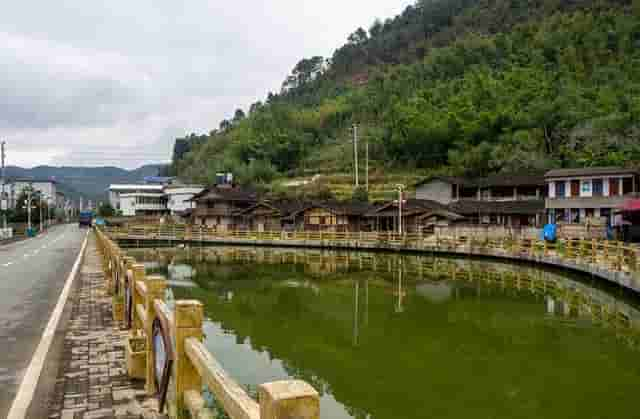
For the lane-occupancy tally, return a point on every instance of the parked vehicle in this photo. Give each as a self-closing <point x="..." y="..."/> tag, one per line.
<point x="86" y="219"/>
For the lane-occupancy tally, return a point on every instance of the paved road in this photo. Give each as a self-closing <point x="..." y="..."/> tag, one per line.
<point x="32" y="275"/>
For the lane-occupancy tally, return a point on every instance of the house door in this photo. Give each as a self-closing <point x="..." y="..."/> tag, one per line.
<point x="260" y="222"/>
<point x="575" y="188"/>
<point x="614" y="187"/>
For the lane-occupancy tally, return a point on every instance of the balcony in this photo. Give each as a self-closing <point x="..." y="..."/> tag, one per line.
<point x="150" y="207"/>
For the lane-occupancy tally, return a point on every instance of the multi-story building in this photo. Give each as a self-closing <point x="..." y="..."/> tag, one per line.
<point x="515" y="199"/>
<point x="16" y="187"/>
<point x="590" y="194"/>
<point x="152" y="199"/>
<point x="220" y="206"/>
<point x="117" y="191"/>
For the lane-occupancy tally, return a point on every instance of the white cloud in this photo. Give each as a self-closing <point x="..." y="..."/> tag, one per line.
<point x="93" y="83"/>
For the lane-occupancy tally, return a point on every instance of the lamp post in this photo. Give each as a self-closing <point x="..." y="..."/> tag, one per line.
<point x="28" y="203"/>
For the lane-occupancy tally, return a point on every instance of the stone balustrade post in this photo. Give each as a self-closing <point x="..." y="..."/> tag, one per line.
<point x="138" y="276"/>
<point x="288" y="399"/>
<point x="187" y="324"/>
<point x="156" y="286"/>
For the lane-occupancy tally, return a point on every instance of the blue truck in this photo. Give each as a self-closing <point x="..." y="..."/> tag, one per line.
<point x="86" y="219"/>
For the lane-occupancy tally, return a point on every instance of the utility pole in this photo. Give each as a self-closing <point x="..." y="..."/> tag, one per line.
<point x="4" y="202"/>
<point x="367" y="164"/>
<point x="355" y="152"/>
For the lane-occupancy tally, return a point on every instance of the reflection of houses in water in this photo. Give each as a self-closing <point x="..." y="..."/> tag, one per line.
<point x="436" y="292"/>
<point x="181" y="272"/>
<point x="428" y="276"/>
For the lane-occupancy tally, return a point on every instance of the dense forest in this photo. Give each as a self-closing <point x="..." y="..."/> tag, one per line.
<point x="467" y="87"/>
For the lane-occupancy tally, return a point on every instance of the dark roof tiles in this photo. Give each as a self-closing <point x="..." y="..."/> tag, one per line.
<point x="591" y="171"/>
<point x="524" y="207"/>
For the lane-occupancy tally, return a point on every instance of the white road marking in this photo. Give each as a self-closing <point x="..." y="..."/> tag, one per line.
<point x="23" y="399"/>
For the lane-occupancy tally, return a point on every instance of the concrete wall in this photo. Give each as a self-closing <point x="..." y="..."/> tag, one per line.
<point x="435" y="190"/>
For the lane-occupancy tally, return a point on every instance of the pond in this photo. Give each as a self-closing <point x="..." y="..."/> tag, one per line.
<point x="390" y="336"/>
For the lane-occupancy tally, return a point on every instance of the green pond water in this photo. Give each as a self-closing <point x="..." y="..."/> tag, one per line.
<point x="414" y="336"/>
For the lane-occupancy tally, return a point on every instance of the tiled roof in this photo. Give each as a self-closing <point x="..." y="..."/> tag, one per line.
<point x="410" y="206"/>
<point x="471" y="207"/>
<point x="215" y="193"/>
<point x="591" y="171"/>
<point x="499" y="179"/>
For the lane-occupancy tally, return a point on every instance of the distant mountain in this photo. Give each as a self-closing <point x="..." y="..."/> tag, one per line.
<point x="88" y="182"/>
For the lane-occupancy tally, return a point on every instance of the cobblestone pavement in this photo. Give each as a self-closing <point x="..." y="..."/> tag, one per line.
<point x="92" y="382"/>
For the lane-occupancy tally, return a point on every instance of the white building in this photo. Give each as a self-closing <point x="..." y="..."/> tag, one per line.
<point x="147" y="199"/>
<point x="143" y="203"/>
<point x="15" y="188"/>
<point x="178" y="198"/>
<point x="116" y="192"/>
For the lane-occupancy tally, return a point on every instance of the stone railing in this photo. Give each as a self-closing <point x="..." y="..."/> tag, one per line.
<point x="165" y="344"/>
<point x="614" y="261"/>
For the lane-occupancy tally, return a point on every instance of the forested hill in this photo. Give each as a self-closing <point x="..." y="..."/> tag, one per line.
<point x="457" y="86"/>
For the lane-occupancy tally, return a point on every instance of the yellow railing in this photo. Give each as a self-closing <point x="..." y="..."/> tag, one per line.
<point x="608" y="255"/>
<point x="164" y="343"/>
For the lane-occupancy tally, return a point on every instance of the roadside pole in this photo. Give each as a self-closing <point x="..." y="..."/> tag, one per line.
<point x="40" y="212"/>
<point x="355" y="153"/>
<point x="4" y="203"/>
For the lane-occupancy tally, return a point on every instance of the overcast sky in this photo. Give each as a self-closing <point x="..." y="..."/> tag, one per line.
<point x="87" y="82"/>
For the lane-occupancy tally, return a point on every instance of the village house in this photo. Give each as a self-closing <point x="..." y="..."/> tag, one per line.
<point x="330" y="216"/>
<point x="418" y="215"/>
<point x="590" y="195"/>
<point x="512" y="200"/>
<point x="268" y="215"/>
<point x="522" y="213"/>
<point x="218" y="207"/>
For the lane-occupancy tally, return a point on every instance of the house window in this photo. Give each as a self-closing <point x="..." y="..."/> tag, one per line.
<point x="560" y="190"/>
<point x="598" y="188"/>
<point x="585" y="187"/>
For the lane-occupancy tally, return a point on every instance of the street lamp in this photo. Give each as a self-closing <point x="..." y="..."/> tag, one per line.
<point x="400" y="201"/>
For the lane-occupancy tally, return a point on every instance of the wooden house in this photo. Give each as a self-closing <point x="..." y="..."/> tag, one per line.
<point x="218" y="206"/>
<point x="267" y="215"/>
<point x="417" y="215"/>
<point x="331" y="216"/>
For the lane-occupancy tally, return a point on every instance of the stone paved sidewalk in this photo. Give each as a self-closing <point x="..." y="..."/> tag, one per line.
<point x="92" y="382"/>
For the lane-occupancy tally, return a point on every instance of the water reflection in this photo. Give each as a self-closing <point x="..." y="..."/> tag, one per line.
<point x="391" y="336"/>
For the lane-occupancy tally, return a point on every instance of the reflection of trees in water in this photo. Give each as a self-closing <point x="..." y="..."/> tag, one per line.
<point x="241" y="263"/>
<point x="272" y="291"/>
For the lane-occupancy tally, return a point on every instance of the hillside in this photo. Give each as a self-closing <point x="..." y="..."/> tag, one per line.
<point x="450" y="86"/>
<point x="89" y="182"/>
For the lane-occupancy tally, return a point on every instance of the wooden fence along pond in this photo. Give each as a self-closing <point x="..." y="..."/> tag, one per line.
<point x="614" y="261"/>
<point x="165" y="347"/>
